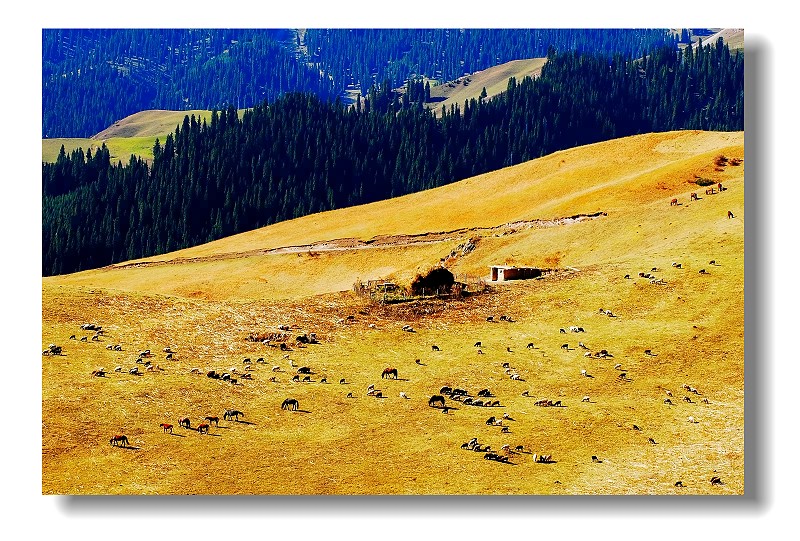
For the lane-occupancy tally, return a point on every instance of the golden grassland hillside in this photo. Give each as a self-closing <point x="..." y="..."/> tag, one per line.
<point x="135" y="134"/>
<point x="494" y="80"/>
<point x="204" y="302"/>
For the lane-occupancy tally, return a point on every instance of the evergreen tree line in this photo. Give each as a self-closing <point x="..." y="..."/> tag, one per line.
<point x="301" y="155"/>
<point x="363" y="57"/>
<point x="92" y="78"/>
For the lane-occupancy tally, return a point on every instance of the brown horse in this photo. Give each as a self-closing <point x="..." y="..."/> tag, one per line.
<point x="203" y="428"/>
<point x="184" y="422"/>
<point x="214" y="420"/>
<point x="674" y="202"/>
<point x="436" y="399"/>
<point x="167" y="427"/>
<point x="389" y="373"/>
<point x="730" y="215"/>
<point x="119" y="440"/>
<point x="693" y="197"/>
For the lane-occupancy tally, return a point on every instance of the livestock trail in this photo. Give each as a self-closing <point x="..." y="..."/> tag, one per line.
<point x="382" y="241"/>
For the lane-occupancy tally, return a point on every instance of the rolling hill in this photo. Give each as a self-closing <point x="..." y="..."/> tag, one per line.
<point x="596" y="213"/>
<point x="494" y="79"/>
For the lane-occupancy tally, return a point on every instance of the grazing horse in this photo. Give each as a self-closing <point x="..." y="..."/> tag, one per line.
<point x="203" y="428"/>
<point x="290" y="404"/>
<point x="674" y="202"/>
<point x="477" y="344"/>
<point x="167" y="427"/>
<point x="693" y="197"/>
<point x="436" y="399"/>
<point x="214" y="420"/>
<point x="730" y="215"/>
<point x="119" y="440"/>
<point x="230" y="414"/>
<point x="389" y="373"/>
<point x="184" y="422"/>
<point x="435" y="348"/>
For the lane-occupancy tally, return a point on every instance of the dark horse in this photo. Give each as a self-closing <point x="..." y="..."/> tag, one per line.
<point x="203" y="428"/>
<point x="230" y="414"/>
<point x="290" y="403"/>
<point x="214" y="420"/>
<point x="436" y="399"/>
<point x="184" y="422"/>
<point x="389" y="373"/>
<point x="119" y="440"/>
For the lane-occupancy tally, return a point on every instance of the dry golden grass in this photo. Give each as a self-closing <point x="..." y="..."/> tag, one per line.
<point x="363" y="445"/>
<point x="494" y="79"/>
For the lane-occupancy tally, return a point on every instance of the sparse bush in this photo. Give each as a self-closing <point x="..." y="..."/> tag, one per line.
<point x="735" y="161"/>
<point x="720" y="160"/>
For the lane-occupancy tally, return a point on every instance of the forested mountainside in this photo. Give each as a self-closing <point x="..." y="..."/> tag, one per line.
<point x="91" y="78"/>
<point x="366" y="56"/>
<point x="301" y="155"/>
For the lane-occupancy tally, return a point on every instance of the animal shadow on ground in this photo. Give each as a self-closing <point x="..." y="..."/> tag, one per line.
<point x="302" y="411"/>
<point x="177" y="435"/>
<point x="244" y="422"/>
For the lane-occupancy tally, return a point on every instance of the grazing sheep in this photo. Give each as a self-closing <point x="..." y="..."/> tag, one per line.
<point x="636" y="428"/>
<point x="530" y="345"/>
<point x="323" y="380"/>
<point x="651" y="440"/>
<point x="585" y="399"/>
<point x="691" y="420"/>
<point x="679" y="483"/>
<point x="404" y="395"/>
<point x="705" y="401"/>
<point x="595" y="459"/>
<point x="668" y="402"/>
<point x="716" y="480"/>
<point x="565" y="346"/>
<point x="477" y="345"/>
<point x="419" y="362"/>
<point x="276" y="368"/>
<point x="669" y="393"/>
<point x="435" y="348"/>
<point x="118" y="369"/>
<point x="350" y="395"/>
<point x="562" y="331"/>
<point x="687" y="399"/>
<point x="525" y="393"/>
<point x="295" y="378"/>
<point x="587" y="354"/>
<point x="480" y="352"/>
<point x="507" y="417"/>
